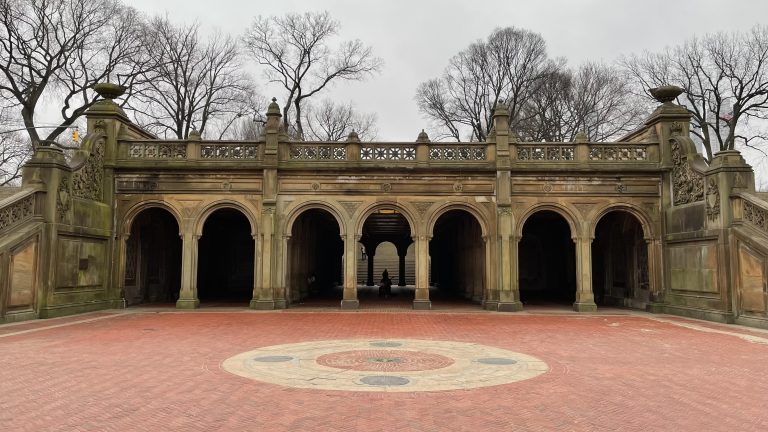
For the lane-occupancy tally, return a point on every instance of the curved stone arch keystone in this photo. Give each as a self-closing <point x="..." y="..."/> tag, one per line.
<point x="137" y="208"/>
<point x="640" y="214"/>
<point x="293" y="213"/>
<point x="202" y="216"/>
<point x="567" y="213"/>
<point x="444" y="208"/>
<point x="401" y="206"/>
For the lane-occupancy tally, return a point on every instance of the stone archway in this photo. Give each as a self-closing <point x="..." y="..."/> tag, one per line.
<point x="457" y="252"/>
<point x="620" y="275"/>
<point x="225" y="263"/>
<point x="152" y="258"/>
<point x="315" y="258"/>
<point x="547" y="260"/>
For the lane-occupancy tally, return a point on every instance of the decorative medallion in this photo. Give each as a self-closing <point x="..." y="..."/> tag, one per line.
<point x="621" y="188"/>
<point x="547" y="187"/>
<point x="315" y="186"/>
<point x="386" y="187"/>
<point x="403" y="365"/>
<point x="458" y="187"/>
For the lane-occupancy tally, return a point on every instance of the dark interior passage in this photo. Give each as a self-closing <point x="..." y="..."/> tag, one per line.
<point x="457" y="253"/>
<point x="315" y="257"/>
<point x="620" y="262"/>
<point x="547" y="260"/>
<point x="153" y="259"/>
<point x="386" y="245"/>
<point x="225" y="258"/>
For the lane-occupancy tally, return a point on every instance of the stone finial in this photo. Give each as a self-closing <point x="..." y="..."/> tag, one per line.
<point x="274" y="109"/>
<point x="500" y="109"/>
<point x="666" y="94"/>
<point x="353" y="137"/>
<point x="109" y="90"/>
<point x="194" y="135"/>
<point x="423" y="137"/>
<point x="581" y="136"/>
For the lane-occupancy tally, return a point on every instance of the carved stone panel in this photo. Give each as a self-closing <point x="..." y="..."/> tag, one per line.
<point x="687" y="185"/>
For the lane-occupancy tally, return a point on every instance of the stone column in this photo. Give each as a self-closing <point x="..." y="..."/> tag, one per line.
<point x="122" y="241"/>
<point x="509" y="286"/>
<point x="349" y="300"/>
<point x="371" y="253"/>
<point x="585" y="299"/>
<point x="402" y="251"/>
<point x="188" y="294"/>
<point x="655" y="276"/>
<point x="421" y="299"/>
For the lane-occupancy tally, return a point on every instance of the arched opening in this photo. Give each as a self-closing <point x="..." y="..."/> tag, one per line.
<point x="386" y="244"/>
<point x="225" y="258"/>
<point x="620" y="262"/>
<point x="315" y="255"/>
<point x="153" y="258"/>
<point x="457" y="253"/>
<point x="547" y="260"/>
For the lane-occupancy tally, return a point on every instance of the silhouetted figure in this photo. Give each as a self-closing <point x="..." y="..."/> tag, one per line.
<point x="385" y="286"/>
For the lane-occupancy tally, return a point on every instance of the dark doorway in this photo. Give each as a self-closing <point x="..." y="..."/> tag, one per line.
<point x="315" y="256"/>
<point x="547" y="260"/>
<point x="620" y="262"/>
<point x="225" y="258"/>
<point x="153" y="259"/>
<point x="457" y="253"/>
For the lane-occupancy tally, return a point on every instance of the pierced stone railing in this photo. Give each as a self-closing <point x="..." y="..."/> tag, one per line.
<point x="318" y="152"/>
<point x="755" y="213"/>
<point x="16" y="209"/>
<point x="157" y="150"/>
<point x="553" y="152"/>
<point x="457" y="152"/>
<point x="618" y="152"/>
<point x="229" y="150"/>
<point x="388" y="152"/>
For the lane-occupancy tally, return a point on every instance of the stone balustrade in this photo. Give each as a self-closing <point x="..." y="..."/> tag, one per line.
<point x="132" y="151"/>
<point x="16" y="209"/>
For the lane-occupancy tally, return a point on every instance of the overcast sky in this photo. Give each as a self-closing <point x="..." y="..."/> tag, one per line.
<point x="416" y="38"/>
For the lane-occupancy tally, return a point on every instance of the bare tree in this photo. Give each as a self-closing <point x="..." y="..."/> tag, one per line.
<point x="595" y="99"/>
<point x="725" y="78"/>
<point x="509" y="66"/>
<point x="14" y="151"/>
<point x="191" y="84"/>
<point x="57" y="50"/>
<point x="329" y="121"/>
<point x="296" y="53"/>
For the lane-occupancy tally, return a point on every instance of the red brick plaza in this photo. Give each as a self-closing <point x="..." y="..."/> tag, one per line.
<point x="160" y="370"/>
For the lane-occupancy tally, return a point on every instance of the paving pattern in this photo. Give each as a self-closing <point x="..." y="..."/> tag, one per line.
<point x="160" y="370"/>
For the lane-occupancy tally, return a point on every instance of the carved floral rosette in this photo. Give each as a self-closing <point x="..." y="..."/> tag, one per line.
<point x="687" y="185"/>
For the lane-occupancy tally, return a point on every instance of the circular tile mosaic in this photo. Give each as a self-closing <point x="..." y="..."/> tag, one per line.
<point x="403" y="365"/>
